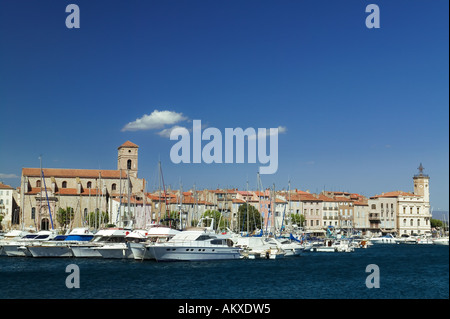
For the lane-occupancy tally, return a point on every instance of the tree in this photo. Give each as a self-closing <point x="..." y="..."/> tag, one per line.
<point x="436" y="223"/>
<point x="219" y="222"/>
<point x="253" y="217"/>
<point x="298" y="219"/>
<point x="65" y="216"/>
<point x="97" y="219"/>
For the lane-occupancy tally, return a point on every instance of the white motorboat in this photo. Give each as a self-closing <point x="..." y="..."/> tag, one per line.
<point x="441" y="241"/>
<point x="12" y="235"/>
<point x="289" y="247"/>
<point x="259" y="247"/>
<point x="156" y="234"/>
<point x="120" y="250"/>
<point x="18" y="248"/>
<point x="333" y="245"/>
<point x="406" y="239"/>
<point x="102" y="237"/>
<point x="387" y="239"/>
<point x="196" y="245"/>
<point x="61" y="246"/>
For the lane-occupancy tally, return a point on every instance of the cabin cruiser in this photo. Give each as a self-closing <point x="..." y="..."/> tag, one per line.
<point x="196" y="244"/>
<point x="441" y="241"/>
<point x="61" y="246"/>
<point x="289" y="247"/>
<point x="101" y="237"/>
<point x="387" y="239"/>
<point x="10" y="236"/>
<point x="407" y="239"/>
<point x="18" y="248"/>
<point x="119" y="250"/>
<point x="256" y="247"/>
<point x="157" y="234"/>
<point x="334" y="245"/>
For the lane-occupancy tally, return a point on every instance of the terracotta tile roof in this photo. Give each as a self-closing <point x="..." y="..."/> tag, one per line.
<point x="395" y="194"/>
<point x="309" y="198"/>
<point x="4" y="186"/>
<point x="128" y="144"/>
<point x="68" y="172"/>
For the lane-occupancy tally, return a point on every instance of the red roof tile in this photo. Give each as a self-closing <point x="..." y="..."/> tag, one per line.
<point x="68" y="172"/>
<point x="128" y="144"/>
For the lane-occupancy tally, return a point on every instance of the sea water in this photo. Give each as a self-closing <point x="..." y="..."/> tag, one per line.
<point x="405" y="272"/>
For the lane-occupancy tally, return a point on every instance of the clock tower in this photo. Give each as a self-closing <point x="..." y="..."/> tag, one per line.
<point x="422" y="184"/>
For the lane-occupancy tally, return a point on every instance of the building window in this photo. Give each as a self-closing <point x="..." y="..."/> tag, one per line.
<point x="64" y="184"/>
<point x="33" y="212"/>
<point x="38" y="183"/>
<point x="89" y="185"/>
<point x="404" y="222"/>
<point x="129" y="164"/>
<point x="374" y="206"/>
<point x="411" y="222"/>
<point x="113" y="187"/>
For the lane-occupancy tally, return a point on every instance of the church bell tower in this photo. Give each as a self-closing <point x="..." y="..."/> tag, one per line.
<point x="128" y="158"/>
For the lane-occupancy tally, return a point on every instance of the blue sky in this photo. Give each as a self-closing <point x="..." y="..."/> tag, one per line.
<point x="361" y="108"/>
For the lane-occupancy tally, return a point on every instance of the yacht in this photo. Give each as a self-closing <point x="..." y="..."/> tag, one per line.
<point x="196" y="244"/>
<point x="155" y="235"/>
<point x="290" y="248"/>
<point x="101" y="237"/>
<point x="119" y="250"/>
<point x="18" y="248"/>
<point x="407" y="239"/>
<point x="387" y="239"/>
<point x="61" y="246"/>
<point x="441" y="241"/>
<point x="257" y="247"/>
<point x="10" y="236"/>
<point x="333" y="245"/>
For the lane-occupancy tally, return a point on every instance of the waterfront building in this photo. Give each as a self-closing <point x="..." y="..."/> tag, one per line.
<point x="7" y="206"/>
<point x="404" y="212"/>
<point x="43" y="192"/>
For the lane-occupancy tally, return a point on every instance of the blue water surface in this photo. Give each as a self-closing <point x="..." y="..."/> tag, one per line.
<point x="406" y="272"/>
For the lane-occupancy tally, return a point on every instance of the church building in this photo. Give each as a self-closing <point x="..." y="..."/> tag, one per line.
<point x="44" y="192"/>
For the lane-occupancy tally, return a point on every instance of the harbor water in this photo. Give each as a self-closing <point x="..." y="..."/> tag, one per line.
<point x="405" y="272"/>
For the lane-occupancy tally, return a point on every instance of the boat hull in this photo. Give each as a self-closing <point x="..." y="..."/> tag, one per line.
<point x="115" y="252"/>
<point x="141" y="252"/>
<point x="50" y="251"/>
<point x="86" y="252"/>
<point x="19" y="250"/>
<point x="192" y="253"/>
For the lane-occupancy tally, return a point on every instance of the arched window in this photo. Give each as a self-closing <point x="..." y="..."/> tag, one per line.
<point x="412" y="222"/>
<point x="418" y="222"/>
<point x="113" y="186"/>
<point x="129" y="164"/>
<point x="404" y="222"/>
<point x="89" y="185"/>
<point x="38" y="183"/>
<point x="64" y="184"/>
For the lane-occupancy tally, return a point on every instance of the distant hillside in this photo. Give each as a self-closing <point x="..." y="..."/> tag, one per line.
<point x="442" y="215"/>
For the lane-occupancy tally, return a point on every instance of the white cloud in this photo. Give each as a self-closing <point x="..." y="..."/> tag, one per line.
<point x="8" y="176"/>
<point x="166" y="132"/>
<point x="156" y="120"/>
<point x="281" y="130"/>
